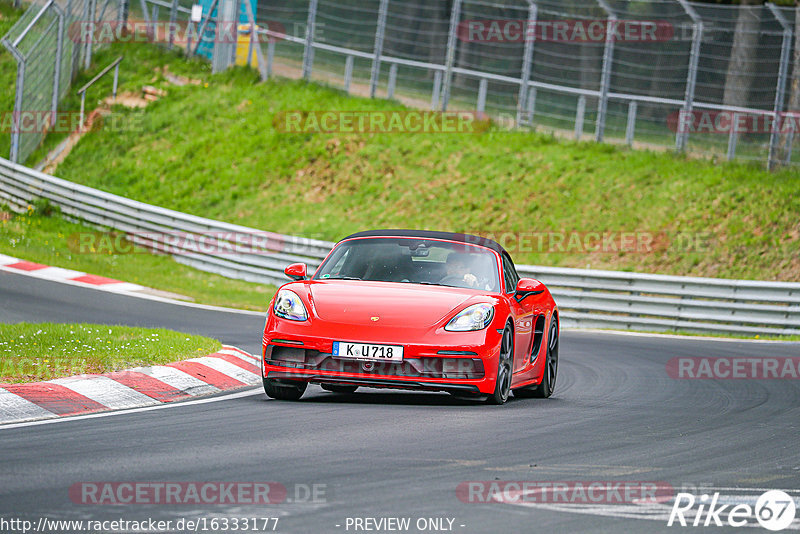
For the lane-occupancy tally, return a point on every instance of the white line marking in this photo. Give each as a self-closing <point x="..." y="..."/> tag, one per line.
<point x="105" y="391"/>
<point x="230" y="396"/>
<point x="176" y="378"/>
<point x="677" y="336"/>
<point x="138" y="295"/>
<point x="242" y="356"/>
<point x="16" y="408"/>
<point x="228" y="369"/>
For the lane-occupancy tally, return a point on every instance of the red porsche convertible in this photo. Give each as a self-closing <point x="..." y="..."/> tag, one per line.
<point x="417" y="310"/>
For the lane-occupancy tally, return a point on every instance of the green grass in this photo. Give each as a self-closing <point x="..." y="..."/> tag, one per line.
<point x="32" y="352"/>
<point x="213" y="151"/>
<point x="51" y="240"/>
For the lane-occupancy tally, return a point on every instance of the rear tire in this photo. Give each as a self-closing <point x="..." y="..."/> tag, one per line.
<point x="548" y="384"/>
<point x="335" y="388"/>
<point x="284" y="390"/>
<point x="502" y="386"/>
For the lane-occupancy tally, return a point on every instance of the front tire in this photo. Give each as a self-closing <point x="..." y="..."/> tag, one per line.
<point x="283" y="390"/>
<point x="502" y="386"/>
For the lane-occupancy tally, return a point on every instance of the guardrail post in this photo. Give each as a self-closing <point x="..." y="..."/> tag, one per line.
<point x="530" y="39"/>
<point x="605" y="77"/>
<point x="682" y="135"/>
<point x="437" y="87"/>
<point x="483" y="87"/>
<point x="580" y="113"/>
<point x="380" y="31"/>
<point x="630" y="128"/>
<point x="732" y="137"/>
<point x="392" y="81"/>
<point x="308" y="52"/>
<point x="452" y="43"/>
<point x="348" y="73"/>
<point x="780" y="89"/>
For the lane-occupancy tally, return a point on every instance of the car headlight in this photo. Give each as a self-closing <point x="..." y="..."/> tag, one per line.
<point x="475" y="317"/>
<point x="289" y="306"/>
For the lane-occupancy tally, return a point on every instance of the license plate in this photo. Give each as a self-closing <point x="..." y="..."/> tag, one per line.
<point x="367" y="351"/>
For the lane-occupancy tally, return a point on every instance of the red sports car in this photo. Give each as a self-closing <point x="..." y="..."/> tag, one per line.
<point x="417" y="310"/>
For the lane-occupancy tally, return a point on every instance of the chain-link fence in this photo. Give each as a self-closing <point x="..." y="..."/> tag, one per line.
<point x="50" y="42"/>
<point x="714" y="80"/>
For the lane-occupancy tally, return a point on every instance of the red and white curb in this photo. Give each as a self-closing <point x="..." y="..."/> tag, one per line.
<point x="230" y="368"/>
<point x="15" y="265"/>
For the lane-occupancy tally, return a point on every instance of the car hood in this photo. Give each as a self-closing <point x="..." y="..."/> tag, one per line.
<point x="394" y="304"/>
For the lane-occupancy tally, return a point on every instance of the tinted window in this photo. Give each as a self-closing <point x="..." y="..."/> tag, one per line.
<point x="412" y="260"/>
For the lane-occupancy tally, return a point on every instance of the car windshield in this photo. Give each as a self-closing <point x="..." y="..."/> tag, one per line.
<point x="412" y="260"/>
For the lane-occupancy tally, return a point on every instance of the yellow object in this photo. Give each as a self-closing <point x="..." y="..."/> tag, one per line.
<point x="243" y="46"/>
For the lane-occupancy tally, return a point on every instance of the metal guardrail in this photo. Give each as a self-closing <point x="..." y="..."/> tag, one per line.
<point x="587" y="298"/>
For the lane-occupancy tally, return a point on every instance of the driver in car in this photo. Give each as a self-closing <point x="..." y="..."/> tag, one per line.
<point x="458" y="271"/>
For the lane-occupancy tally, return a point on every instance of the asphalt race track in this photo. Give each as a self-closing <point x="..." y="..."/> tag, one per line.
<point x="616" y="416"/>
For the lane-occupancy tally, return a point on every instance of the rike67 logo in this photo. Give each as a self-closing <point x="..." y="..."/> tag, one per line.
<point x="773" y="510"/>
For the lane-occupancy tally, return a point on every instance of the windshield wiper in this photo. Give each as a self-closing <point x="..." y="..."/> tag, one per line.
<point x="341" y="278"/>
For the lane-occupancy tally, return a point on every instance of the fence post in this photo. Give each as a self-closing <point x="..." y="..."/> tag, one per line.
<point x="57" y="66"/>
<point x="455" y="16"/>
<point x="732" y="137"/>
<point x="270" y="55"/>
<point x="531" y="105"/>
<point x="682" y="135"/>
<point x="530" y="37"/>
<point x="308" y="52"/>
<point x="255" y="40"/>
<point x="483" y="87"/>
<point x="605" y="77"/>
<point x="580" y="113"/>
<point x="437" y="87"/>
<point x="87" y="58"/>
<point x="380" y="31"/>
<point x="222" y="56"/>
<point x="19" y="88"/>
<point x="780" y="89"/>
<point x="122" y="14"/>
<point x="348" y="73"/>
<point x="630" y="128"/>
<point x="392" y="81"/>
<point x="173" y="17"/>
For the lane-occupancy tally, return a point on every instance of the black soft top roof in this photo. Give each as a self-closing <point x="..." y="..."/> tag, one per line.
<point x="428" y="234"/>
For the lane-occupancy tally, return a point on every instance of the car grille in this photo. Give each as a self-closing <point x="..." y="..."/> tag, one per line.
<point x="438" y="367"/>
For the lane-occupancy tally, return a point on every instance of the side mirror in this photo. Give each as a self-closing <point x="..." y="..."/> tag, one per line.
<point x="296" y="271"/>
<point x="527" y="287"/>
